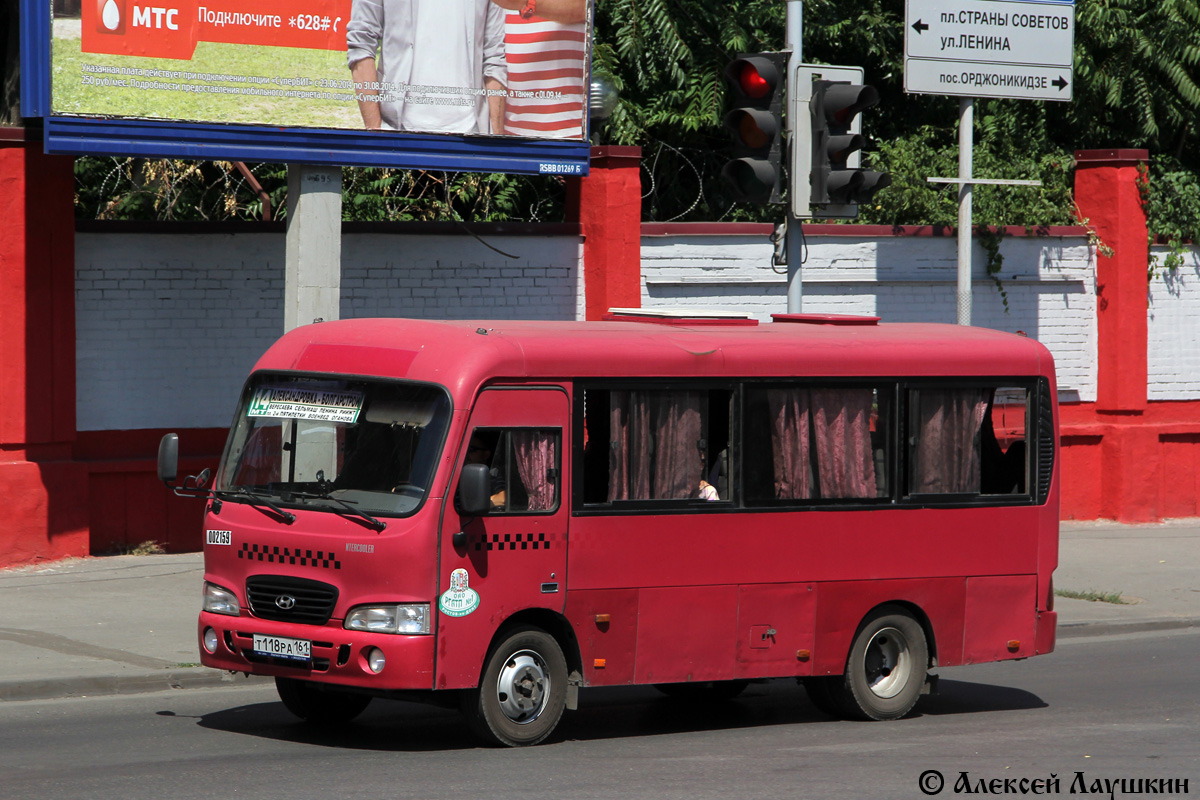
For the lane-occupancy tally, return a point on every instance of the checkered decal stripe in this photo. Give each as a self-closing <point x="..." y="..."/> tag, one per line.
<point x="517" y="541"/>
<point x="286" y="555"/>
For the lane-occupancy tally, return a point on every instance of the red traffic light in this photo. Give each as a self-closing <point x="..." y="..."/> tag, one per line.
<point x="756" y="87"/>
<point x="756" y="79"/>
<point x="752" y="81"/>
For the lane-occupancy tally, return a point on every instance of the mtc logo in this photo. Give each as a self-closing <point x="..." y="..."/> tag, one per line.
<point x="163" y="18"/>
<point x="110" y="17"/>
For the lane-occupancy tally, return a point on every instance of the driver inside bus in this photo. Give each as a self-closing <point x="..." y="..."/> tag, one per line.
<point x="479" y="451"/>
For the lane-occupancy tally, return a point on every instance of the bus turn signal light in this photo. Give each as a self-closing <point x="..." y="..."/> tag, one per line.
<point x="1014" y="645"/>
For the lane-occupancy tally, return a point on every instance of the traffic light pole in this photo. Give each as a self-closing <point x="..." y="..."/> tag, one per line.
<point x="794" y="238"/>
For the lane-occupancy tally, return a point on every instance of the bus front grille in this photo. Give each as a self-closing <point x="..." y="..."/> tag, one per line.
<point x="286" y="599"/>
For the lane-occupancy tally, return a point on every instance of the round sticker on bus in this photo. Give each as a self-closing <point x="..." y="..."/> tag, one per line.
<point x="460" y="599"/>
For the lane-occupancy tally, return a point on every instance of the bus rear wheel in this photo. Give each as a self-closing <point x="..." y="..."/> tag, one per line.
<point x="523" y="692"/>
<point x="317" y="704"/>
<point x="885" y="671"/>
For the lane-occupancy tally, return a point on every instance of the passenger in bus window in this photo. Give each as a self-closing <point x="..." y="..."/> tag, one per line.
<point x="479" y="451"/>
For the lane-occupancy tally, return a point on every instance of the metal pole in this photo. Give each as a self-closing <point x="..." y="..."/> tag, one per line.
<point x="794" y="243"/>
<point x="966" y="142"/>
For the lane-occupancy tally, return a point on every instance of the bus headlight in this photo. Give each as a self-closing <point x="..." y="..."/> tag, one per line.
<point x="220" y="601"/>
<point x="406" y="618"/>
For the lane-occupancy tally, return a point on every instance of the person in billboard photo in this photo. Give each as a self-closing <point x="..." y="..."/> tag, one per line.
<point x="428" y="65"/>
<point x="545" y="46"/>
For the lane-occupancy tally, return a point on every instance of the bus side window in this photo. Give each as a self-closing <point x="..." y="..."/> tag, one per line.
<point x="816" y="443"/>
<point x="657" y="445"/>
<point x="968" y="440"/>
<point x="524" y="466"/>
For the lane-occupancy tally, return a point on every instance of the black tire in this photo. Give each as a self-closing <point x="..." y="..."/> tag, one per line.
<point x="711" y="691"/>
<point x="318" y="704"/>
<point x="523" y="692"/>
<point x="886" y="668"/>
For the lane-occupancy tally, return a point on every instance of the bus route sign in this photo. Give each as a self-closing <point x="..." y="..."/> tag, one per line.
<point x="1019" y="49"/>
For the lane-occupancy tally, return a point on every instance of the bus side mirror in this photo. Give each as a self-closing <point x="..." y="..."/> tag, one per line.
<point x="168" y="458"/>
<point x="475" y="490"/>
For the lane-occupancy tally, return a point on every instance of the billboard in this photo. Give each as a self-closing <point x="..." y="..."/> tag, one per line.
<point x="484" y="85"/>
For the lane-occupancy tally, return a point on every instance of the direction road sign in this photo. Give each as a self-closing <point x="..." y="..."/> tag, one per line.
<point x="1021" y="49"/>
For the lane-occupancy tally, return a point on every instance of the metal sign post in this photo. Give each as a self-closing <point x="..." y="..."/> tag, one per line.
<point x="1018" y="49"/>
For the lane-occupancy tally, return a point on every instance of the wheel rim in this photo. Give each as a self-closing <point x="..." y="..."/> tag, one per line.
<point x="887" y="662"/>
<point x="523" y="686"/>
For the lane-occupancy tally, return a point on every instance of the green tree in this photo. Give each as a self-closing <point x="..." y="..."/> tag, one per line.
<point x="1136" y="70"/>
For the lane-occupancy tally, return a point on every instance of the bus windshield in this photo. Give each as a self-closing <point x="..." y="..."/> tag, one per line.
<point x="327" y="443"/>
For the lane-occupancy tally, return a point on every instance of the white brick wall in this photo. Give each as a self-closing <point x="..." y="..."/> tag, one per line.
<point x="1049" y="283"/>
<point x="457" y="277"/>
<point x="168" y="325"/>
<point x="1173" y="350"/>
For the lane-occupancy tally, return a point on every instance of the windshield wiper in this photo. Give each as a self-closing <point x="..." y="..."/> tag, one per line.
<point x="347" y="506"/>
<point x="257" y="501"/>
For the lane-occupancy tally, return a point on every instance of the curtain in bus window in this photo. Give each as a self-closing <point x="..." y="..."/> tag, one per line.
<point x="655" y="452"/>
<point x="842" y="433"/>
<point x="534" y="452"/>
<point x="678" y="463"/>
<point x="790" y="418"/>
<point x="629" y="456"/>
<point x="946" y="453"/>
<point x="260" y="460"/>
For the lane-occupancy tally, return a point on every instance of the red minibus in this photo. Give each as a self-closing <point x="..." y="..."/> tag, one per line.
<point x="499" y="513"/>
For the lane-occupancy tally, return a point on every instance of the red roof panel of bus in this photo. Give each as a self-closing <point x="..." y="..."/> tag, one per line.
<point x="463" y="354"/>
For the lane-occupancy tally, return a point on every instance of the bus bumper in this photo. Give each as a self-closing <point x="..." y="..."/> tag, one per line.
<point x="339" y="656"/>
<point x="1046" y="633"/>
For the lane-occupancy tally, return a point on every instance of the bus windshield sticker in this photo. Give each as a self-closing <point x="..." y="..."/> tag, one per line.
<point x="320" y="405"/>
<point x="459" y="600"/>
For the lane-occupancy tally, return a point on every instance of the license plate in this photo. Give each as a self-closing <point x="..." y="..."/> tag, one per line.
<point x="281" y="647"/>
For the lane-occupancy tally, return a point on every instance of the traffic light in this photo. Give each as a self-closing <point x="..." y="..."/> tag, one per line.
<point x="835" y="119"/>
<point x="826" y="160"/>
<point x="756" y="122"/>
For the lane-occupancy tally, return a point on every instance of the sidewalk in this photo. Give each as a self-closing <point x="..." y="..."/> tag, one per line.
<point x="125" y="624"/>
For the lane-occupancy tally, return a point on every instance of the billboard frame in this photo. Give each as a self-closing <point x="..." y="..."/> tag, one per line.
<point x="119" y="136"/>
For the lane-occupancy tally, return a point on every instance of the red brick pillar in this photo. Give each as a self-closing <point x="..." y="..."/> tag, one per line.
<point x="608" y="206"/>
<point x="43" y="492"/>
<point x="1106" y="192"/>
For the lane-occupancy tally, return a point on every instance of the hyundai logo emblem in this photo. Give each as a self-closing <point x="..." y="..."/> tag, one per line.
<point x="286" y="602"/>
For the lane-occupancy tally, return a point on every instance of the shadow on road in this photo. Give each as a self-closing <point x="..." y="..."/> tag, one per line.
<point x="965" y="697"/>
<point x="604" y="713"/>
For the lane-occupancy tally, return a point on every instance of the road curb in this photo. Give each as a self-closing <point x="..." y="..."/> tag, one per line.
<point x="134" y="683"/>
<point x="1077" y="630"/>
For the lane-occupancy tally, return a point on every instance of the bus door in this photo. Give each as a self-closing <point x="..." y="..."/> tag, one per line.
<point x="513" y="557"/>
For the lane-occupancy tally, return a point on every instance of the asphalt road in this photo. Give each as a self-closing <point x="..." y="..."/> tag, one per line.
<point x="1111" y="708"/>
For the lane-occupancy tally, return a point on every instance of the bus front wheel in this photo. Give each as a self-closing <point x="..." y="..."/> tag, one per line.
<point x="523" y="693"/>
<point x="885" y="671"/>
<point x="319" y="705"/>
